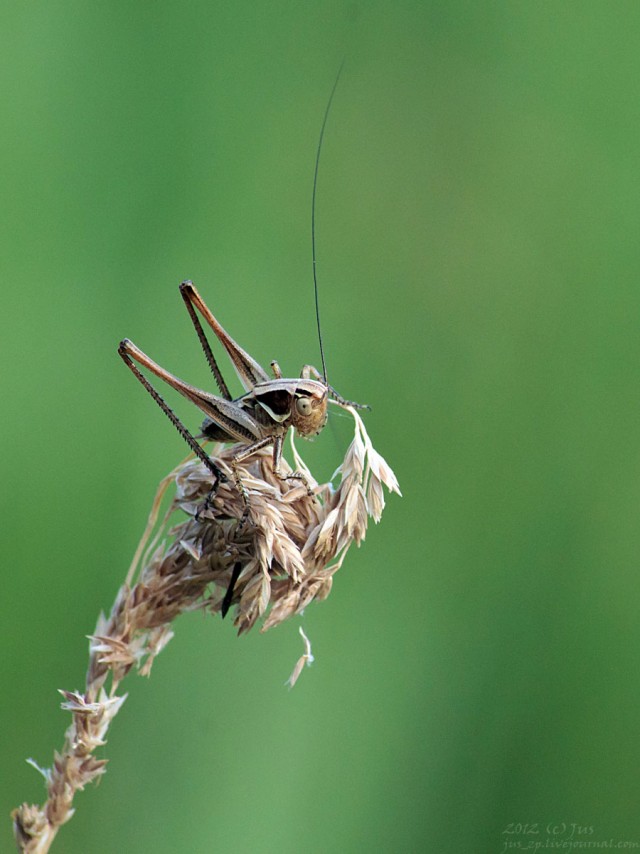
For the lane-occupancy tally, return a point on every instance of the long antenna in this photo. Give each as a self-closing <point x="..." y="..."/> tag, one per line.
<point x="313" y="217"/>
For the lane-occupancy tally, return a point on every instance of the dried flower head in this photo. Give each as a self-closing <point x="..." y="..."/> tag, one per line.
<point x="269" y="568"/>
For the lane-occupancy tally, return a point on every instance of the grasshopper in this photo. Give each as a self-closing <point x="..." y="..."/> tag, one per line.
<point x="263" y="415"/>
<point x="260" y="417"/>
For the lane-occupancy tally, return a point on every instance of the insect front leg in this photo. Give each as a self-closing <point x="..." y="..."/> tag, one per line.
<point x="309" y="371"/>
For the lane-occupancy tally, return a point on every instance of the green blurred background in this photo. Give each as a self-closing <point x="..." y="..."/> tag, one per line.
<point x="479" y="201"/>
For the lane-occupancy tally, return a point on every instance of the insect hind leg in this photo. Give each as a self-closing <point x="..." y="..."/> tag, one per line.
<point x="126" y="349"/>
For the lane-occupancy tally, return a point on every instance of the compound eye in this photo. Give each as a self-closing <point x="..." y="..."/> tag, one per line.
<point x="303" y="405"/>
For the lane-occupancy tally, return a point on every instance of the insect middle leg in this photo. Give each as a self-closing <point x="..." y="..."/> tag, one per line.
<point x="277" y="459"/>
<point x="245" y="453"/>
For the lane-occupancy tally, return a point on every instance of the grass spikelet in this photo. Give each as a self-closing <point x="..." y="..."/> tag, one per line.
<point x="268" y="569"/>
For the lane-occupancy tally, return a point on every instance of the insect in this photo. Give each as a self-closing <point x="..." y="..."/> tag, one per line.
<point x="260" y="417"/>
<point x="268" y="409"/>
